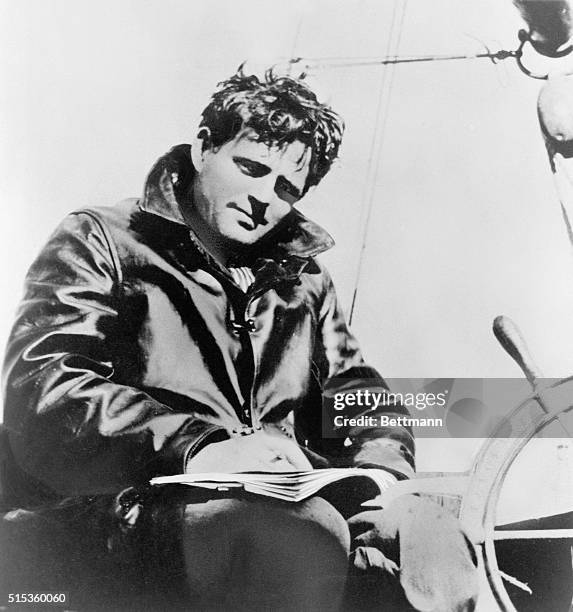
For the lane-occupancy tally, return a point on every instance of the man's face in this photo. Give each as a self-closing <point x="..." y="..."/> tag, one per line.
<point x="244" y="188"/>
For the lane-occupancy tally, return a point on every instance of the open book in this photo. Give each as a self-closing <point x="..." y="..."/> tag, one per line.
<point x="287" y="486"/>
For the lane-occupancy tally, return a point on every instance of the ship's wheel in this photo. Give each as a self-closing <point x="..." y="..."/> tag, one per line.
<point x="550" y="405"/>
<point x="485" y="485"/>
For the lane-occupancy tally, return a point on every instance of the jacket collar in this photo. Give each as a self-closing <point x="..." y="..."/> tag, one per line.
<point x="169" y="179"/>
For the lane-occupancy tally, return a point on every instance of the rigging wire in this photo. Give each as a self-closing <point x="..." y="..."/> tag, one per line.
<point x="373" y="166"/>
<point x="295" y="40"/>
<point x="353" y="62"/>
<point x="328" y="63"/>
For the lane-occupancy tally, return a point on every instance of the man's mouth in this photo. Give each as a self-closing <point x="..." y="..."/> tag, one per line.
<point x="254" y="222"/>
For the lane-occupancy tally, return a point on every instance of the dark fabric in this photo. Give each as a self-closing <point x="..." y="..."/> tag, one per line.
<point x="65" y="550"/>
<point x="261" y="554"/>
<point x="104" y="552"/>
<point x="173" y="548"/>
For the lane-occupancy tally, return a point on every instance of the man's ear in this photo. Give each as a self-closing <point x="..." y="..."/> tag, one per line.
<point x="200" y="146"/>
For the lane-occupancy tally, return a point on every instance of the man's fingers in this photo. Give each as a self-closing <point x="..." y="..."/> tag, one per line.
<point x="256" y="452"/>
<point x="293" y="454"/>
<point x="370" y="522"/>
<point x="286" y="450"/>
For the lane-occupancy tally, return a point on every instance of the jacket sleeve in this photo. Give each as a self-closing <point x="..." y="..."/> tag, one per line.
<point x="340" y="369"/>
<point x="72" y="427"/>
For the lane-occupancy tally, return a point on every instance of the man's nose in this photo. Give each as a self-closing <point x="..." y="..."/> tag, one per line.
<point x="258" y="210"/>
<point x="263" y="189"/>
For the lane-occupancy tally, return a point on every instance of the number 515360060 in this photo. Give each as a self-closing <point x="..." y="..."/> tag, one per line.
<point x="41" y="598"/>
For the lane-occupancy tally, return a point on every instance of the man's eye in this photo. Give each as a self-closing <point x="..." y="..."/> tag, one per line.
<point x="287" y="191"/>
<point x="251" y="168"/>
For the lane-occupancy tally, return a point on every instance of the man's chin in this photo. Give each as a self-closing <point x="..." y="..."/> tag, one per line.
<point x="245" y="237"/>
<point x="245" y="248"/>
<point x="238" y="248"/>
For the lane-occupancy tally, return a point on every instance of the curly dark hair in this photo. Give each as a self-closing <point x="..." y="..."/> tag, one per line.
<point x="280" y="110"/>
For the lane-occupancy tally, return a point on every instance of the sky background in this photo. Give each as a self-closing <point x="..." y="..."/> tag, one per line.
<point x="465" y="224"/>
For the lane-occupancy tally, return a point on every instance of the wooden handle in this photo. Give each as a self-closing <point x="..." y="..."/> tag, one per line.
<point x="509" y="336"/>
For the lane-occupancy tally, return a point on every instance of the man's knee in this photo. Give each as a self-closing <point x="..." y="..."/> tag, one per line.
<point x="321" y="517"/>
<point x="267" y="525"/>
<point x="266" y="549"/>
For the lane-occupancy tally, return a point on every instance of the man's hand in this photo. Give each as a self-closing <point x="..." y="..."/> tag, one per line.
<point x="437" y="562"/>
<point x="256" y="452"/>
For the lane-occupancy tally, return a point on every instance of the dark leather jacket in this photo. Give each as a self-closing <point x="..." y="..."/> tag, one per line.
<point x="133" y="348"/>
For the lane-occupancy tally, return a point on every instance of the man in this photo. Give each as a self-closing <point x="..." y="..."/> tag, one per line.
<point x="194" y="330"/>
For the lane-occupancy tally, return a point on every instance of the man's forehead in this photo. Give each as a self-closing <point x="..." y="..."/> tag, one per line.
<point x="247" y="142"/>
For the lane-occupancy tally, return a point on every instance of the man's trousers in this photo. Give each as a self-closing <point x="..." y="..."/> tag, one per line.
<point x="187" y="550"/>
